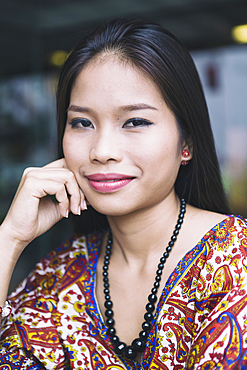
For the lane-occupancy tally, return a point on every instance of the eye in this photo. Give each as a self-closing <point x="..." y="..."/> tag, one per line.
<point x="137" y="122"/>
<point x="80" y="123"/>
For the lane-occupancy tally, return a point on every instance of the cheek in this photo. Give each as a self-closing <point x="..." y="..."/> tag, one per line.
<point x="67" y="148"/>
<point x="162" y="152"/>
<point x="72" y="152"/>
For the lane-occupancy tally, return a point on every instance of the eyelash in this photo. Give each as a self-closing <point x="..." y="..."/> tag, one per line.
<point x="78" y="123"/>
<point x="138" y="122"/>
<point x="84" y="123"/>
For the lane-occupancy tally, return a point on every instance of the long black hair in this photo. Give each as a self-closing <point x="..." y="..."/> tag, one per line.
<point x="160" y="55"/>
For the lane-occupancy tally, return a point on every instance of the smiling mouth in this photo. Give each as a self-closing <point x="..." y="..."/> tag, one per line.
<point x="108" y="183"/>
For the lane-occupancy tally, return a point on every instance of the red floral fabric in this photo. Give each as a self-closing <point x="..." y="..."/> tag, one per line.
<point x="200" y="321"/>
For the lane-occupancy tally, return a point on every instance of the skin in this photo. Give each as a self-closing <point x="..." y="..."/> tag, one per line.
<point x="101" y="138"/>
<point x="103" y="135"/>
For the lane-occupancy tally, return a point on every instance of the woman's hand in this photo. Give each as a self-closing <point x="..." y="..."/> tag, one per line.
<point x="33" y="212"/>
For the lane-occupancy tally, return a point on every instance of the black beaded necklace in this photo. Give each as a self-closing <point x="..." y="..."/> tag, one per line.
<point x="138" y="344"/>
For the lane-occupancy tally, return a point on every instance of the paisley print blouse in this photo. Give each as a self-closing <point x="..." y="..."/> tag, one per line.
<point x="200" y="321"/>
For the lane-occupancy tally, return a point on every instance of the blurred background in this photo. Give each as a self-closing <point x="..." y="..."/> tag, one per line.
<point x="36" y="36"/>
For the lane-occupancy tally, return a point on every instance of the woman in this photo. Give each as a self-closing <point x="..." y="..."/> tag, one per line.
<point x="136" y="147"/>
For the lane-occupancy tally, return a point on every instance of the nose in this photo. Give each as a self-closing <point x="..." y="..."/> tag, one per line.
<point x="106" y="147"/>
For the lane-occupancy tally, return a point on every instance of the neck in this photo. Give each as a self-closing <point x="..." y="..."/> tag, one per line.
<point x="139" y="236"/>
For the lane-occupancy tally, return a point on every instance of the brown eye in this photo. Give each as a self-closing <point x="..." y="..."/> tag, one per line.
<point x="80" y="123"/>
<point x="137" y="122"/>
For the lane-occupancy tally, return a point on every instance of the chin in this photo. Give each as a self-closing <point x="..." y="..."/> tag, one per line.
<point x="111" y="208"/>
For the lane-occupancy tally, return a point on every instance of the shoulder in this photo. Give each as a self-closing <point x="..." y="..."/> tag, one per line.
<point x="78" y="246"/>
<point x="200" y="223"/>
<point x="229" y="235"/>
<point x="49" y="272"/>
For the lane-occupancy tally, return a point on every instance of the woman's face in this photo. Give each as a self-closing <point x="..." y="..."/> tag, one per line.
<point x="121" y="140"/>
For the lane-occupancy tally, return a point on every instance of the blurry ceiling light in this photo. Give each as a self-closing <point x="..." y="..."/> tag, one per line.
<point x="239" y="33"/>
<point x="58" y="58"/>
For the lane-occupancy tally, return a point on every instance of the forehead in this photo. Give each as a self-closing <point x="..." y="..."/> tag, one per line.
<point x="111" y="75"/>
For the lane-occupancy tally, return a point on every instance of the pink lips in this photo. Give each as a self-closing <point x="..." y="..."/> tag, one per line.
<point x="108" y="183"/>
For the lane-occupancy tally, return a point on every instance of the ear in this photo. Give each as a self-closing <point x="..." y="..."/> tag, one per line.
<point x="186" y="152"/>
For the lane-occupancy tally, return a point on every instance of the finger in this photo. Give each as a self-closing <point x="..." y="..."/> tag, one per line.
<point x="60" y="175"/>
<point x="63" y="202"/>
<point x="83" y="205"/>
<point x="74" y="192"/>
<point x="58" y="163"/>
<point x="58" y="189"/>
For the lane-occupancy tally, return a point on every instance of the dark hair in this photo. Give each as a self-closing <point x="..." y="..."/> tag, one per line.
<point x="160" y="55"/>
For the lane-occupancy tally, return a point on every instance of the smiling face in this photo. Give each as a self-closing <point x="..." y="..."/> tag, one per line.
<point x="121" y="140"/>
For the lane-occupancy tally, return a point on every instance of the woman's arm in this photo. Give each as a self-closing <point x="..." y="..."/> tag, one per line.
<point x="33" y="212"/>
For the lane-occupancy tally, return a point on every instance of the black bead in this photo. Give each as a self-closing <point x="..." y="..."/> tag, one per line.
<point x="107" y="297"/>
<point x="146" y="326"/>
<point x="154" y="290"/>
<point x="110" y="322"/>
<point x="130" y="353"/>
<point x="150" y="307"/>
<point x="158" y="278"/>
<point x="111" y="331"/>
<point x="169" y="248"/>
<point x="166" y="255"/>
<point x="176" y="232"/>
<point x="115" y="339"/>
<point x="173" y="238"/>
<point x="152" y="298"/>
<point x="156" y="284"/>
<point x="120" y="348"/>
<point x="106" y="263"/>
<point x="105" y="268"/>
<point x="105" y="273"/>
<point x="108" y="304"/>
<point x="148" y="316"/>
<point x="170" y="245"/>
<point x="109" y="313"/>
<point x="143" y="335"/>
<point x="106" y="291"/>
<point x="160" y="266"/>
<point x="106" y="285"/>
<point x="105" y="279"/>
<point x="163" y="259"/>
<point x="159" y="272"/>
<point x="107" y="258"/>
<point x="138" y="345"/>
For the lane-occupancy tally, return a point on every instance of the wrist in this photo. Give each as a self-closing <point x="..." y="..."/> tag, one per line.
<point x="11" y="245"/>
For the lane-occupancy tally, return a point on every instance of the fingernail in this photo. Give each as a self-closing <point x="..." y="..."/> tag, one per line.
<point x="84" y="204"/>
<point x="67" y="214"/>
<point x="79" y="211"/>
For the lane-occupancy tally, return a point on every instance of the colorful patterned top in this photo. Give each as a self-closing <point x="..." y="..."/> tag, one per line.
<point x="200" y="320"/>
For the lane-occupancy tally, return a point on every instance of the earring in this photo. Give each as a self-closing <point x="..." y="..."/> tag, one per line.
<point x="185" y="153"/>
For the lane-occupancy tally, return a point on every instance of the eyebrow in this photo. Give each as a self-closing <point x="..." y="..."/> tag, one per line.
<point x="139" y="106"/>
<point x="77" y="108"/>
<point x="130" y="107"/>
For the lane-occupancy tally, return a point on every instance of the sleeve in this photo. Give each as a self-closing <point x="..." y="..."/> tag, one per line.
<point x="220" y="340"/>
<point x="18" y="359"/>
<point x="29" y="338"/>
